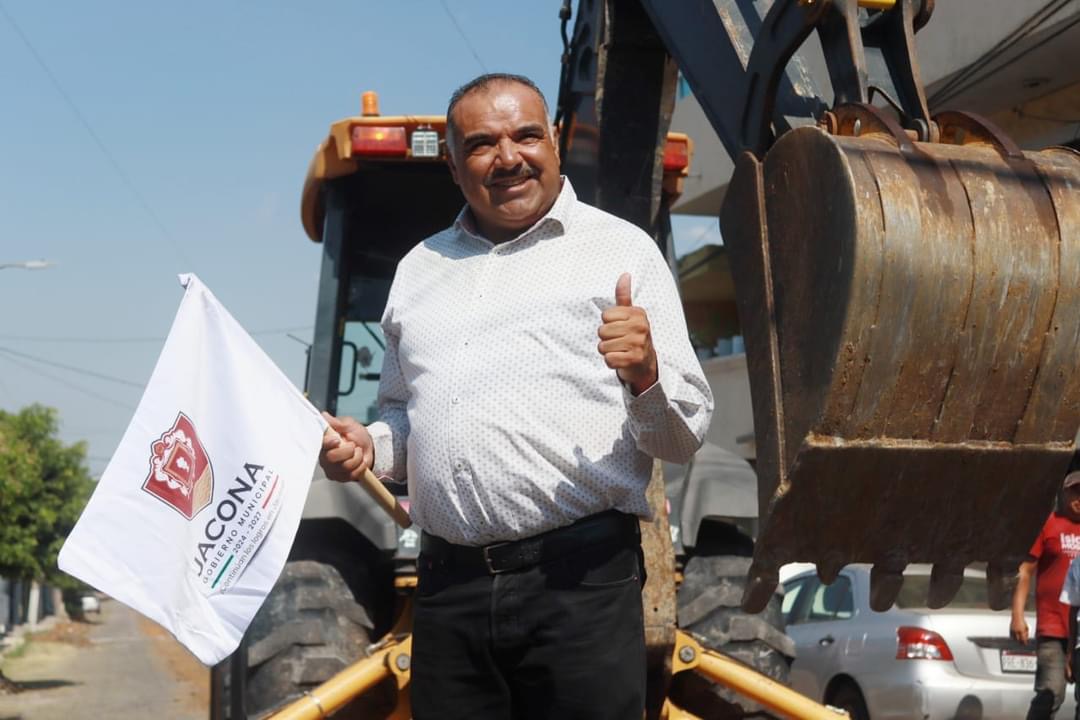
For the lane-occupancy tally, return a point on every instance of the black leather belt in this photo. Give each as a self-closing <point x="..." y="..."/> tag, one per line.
<point x="610" y="526"/>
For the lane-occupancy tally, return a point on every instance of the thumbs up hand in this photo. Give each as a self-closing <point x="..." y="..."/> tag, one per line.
<point x="626" y="340"/>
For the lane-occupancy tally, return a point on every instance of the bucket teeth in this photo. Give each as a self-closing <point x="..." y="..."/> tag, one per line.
<point x="760" y="586"/>
<point x="945" y="581"/>
<point x="829" y="567"/>
<point x="886" y="580"/>
<point x="1000" y="583"/>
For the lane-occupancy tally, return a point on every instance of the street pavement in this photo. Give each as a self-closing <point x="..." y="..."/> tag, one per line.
<point x="122" y="667"/>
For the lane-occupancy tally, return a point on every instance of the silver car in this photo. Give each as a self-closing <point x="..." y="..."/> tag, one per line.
<point x="908" y="662"/>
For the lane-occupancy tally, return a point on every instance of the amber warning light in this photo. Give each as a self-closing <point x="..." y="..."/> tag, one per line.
<point x="676" y="154"/>
<point x="379" y="140"/>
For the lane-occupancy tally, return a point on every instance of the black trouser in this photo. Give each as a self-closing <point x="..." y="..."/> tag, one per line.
<point x="1049" y="678"/>
<point x="562" y="638"/>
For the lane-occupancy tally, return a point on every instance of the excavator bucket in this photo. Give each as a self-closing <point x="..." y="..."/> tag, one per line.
<point x="911" y="313"/>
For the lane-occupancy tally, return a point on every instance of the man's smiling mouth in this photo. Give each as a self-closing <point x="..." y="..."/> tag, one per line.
<point x="511" y="182"/>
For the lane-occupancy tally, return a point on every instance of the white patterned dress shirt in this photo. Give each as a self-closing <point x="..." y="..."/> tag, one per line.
<point x="495" y="403"/>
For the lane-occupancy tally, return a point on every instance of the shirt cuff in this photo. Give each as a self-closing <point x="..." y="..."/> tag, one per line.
<point x="383" y="441"/>
<point x="652" y="404"/>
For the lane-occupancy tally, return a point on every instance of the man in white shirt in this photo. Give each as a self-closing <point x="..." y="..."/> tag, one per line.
<point x="536" y="361"/>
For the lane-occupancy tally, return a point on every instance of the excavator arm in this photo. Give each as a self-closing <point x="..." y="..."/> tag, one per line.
<point x="908" y="284"/>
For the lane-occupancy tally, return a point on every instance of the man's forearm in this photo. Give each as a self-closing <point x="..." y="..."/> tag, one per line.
<point x="1020" y="594"/>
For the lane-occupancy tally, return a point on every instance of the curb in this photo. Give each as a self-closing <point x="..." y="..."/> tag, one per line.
<point x="18" y="636"/>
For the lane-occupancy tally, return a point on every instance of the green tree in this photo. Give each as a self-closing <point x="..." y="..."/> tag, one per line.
<point x="44" y="485"/>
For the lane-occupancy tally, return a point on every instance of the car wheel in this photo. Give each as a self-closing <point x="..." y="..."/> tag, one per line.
<point x="846" y="696"/>
<point x="310" y="628"/>
<point x="709" y="609"/>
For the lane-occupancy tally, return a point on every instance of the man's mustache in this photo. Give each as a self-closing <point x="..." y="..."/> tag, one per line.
<point x="509" y="177"/>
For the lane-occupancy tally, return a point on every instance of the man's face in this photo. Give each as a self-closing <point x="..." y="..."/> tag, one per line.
<point x="504" y="158"/>
<point x="1072" y="501"/>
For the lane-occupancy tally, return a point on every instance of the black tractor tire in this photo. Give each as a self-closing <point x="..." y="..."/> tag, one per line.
<point x="845" y="694"/>
<point x="310" y="628"/>
<point x="708" y="607"/>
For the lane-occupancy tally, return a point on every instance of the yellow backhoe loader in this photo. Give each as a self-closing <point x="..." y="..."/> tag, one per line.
<point x="908" y="286"/>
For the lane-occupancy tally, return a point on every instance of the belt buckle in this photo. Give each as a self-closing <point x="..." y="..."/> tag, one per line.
<point x="492" y="570"/>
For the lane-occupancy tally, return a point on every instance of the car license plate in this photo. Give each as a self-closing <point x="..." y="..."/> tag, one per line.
<point x="1013" y="661"/>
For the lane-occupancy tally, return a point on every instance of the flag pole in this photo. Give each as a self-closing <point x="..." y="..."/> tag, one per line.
<point x="386" y="500"/>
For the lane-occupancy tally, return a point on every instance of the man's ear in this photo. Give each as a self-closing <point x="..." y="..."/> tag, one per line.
<point x="555" y="142"/>
<point x="453" y="167"/>
<point x="449" y="139"/>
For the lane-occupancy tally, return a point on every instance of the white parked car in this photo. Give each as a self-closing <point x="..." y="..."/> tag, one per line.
<point x="90" y="604"/>
<point x="910" y="661"/>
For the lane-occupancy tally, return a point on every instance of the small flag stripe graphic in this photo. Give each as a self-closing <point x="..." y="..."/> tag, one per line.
<point x="222" y="571"/>
<point x="272" y="489"/>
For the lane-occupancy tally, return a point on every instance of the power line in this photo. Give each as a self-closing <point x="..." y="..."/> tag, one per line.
<point x="1016" y="58"/>
<point x="142" y="339"/>
<point x="40" y="338"/>
<point x="464" y="37"/>
<point x="71" y="368"/>
<point x="73" y="386"/>
<point x="139" y="199"/>
<point x="1003" y="45"/>
<point x="965" y="78"/>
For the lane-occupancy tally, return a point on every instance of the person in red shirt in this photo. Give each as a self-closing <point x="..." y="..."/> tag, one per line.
<point x="1048" y="561"/>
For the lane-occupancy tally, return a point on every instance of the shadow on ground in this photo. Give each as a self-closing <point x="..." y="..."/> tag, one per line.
<point x="44" y="685"/>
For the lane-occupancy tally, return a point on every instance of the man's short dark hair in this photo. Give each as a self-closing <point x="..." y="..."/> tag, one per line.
<point x="483" y="82"/>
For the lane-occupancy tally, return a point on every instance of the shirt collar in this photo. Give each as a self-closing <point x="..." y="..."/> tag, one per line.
<point x="559" y="213"/>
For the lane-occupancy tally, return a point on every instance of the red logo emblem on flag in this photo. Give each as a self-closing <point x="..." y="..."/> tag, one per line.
<point x="180" y="472"/>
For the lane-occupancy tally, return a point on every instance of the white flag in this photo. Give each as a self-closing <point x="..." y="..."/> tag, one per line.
<point x="192" y="521"/>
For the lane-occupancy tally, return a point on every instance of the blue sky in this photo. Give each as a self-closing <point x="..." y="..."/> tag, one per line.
<point x="174" y="137"/>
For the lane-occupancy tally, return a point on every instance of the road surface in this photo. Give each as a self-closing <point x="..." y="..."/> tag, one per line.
<point x="121" y="667"/>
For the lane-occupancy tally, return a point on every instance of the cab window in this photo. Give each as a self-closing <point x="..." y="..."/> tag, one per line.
<point x="362" y="350"/>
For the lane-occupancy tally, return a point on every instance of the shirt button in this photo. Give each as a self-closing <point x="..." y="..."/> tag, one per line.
<point x="455" y="400"/>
